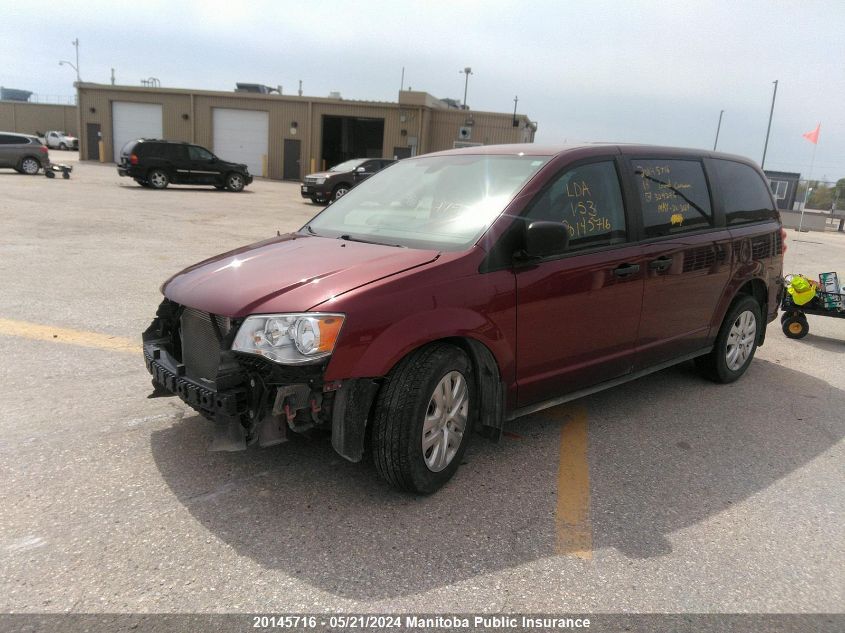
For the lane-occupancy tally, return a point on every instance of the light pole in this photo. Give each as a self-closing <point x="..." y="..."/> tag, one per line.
<point x="515" y="101"/>
<point x="718" y="127"/>
<point x="769" y="129"/>
<point x="466" y="71"/>
<point x="72" y="65"/>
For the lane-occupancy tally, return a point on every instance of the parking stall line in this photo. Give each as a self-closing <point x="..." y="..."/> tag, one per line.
<point x="39" y="332"/>
<point x="574" y="532"/>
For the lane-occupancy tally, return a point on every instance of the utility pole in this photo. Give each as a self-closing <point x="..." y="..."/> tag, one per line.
<point x="300" y="87"/>
<point x="718" y="127"/>
<point x="515" y="101"/>
<point x="402" y="83"/>
<point x="76" y="44"/>
<point x="769" y="129"/>
<point x="112" y="76"/>
<point x="466" y="71"/>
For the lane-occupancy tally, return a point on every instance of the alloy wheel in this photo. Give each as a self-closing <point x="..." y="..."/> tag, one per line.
<point x="30" y="166"/>
<point x="158" y="179"/>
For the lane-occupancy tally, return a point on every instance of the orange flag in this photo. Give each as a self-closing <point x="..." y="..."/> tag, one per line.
<point x="813" y="136"/>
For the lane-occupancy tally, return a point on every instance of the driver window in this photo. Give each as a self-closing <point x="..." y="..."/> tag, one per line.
<point x="198" y="153"/>
<point x="588" y="200"/>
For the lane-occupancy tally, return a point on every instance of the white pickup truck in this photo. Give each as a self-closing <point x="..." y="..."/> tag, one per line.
<point x="55" y="139"/>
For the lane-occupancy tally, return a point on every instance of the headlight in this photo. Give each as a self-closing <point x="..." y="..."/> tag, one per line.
<point x="289" y="339"/>
<point x="319" y="181"/>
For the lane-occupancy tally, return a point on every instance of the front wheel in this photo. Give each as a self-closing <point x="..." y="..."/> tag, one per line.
<point x="340" y="191"/>
<point x="235" y="182"/>
<point x="736" y="343"/>
<point x="30" y="166"/>
<point x="62" y="146"/>
<point x="158" y="179"/>
<point x="423" y="418"/>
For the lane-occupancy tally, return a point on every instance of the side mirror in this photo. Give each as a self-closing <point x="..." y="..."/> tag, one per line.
<point x="360" y="170"/>
<point x="545" y="238"/>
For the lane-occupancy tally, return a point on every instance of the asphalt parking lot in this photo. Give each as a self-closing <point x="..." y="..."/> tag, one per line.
<point x="666" y="494"/>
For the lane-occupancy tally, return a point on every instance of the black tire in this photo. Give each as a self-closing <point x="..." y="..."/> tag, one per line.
<point x="400" y="412"/>
<point x="63" y="146"/>
<point x="158" y="179"/>
<point x="49" y="173"/>
<point x="235" y="182"/>
<point x="796" y="326"/>
<point x="715" y="365"/>
<point x="29" y="165"/>
<point x="340" y="190"/>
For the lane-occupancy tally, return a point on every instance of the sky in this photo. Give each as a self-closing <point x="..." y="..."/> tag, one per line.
<point x="644" y="72"/>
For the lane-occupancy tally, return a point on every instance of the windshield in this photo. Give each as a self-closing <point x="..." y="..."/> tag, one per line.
<point x="439" y="202"/>
<point x="348" y="165"/>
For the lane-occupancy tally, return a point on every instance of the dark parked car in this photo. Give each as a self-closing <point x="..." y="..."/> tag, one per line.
<point x="334" y="183"/>
<point x="458" y="290"/>
<point x="23" y="152"/>
<point x="155" y="163"/>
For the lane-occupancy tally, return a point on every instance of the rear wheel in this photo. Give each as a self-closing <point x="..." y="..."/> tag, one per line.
<point x="30" y="166"/>
<point x="736" y="343"/>
<point x="235" y="182"/>
<point x="795" y="326"/>
<point x="423" y="418"/>
<point x="158" y="179"/>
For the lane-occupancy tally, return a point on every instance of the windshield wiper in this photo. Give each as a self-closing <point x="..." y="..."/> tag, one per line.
<point x="349" y="238"/>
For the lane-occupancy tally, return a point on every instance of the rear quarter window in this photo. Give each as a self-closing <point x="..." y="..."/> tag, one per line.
<point x="674" y="196"/>
<point x="745" y="195"/>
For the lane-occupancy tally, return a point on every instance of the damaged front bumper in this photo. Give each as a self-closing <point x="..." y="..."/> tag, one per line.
<point x="249" y="398"/>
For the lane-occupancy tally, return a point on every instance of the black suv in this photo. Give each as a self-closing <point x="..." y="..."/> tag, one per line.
<point x="154" y="163"/>
<point x="332" y="184"/>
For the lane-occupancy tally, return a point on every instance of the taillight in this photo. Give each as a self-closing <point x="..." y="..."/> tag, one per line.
<point x="133" y="158"/>
<point x="782" y="240"/>
<point x="43" y="149"/>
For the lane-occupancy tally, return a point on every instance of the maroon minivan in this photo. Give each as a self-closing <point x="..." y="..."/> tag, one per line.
<point x="457" y="290"/>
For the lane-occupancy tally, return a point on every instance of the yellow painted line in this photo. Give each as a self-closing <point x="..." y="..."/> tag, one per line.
<point x="38" y="332"/>
<point x="574" y="531"/>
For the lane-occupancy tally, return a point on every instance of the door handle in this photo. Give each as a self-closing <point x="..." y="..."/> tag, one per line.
<point x="626" y="270"/>
<point x="660" y="264"/>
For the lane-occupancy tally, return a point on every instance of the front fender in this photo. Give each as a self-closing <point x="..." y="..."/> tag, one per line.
<point x="371" y="355"/>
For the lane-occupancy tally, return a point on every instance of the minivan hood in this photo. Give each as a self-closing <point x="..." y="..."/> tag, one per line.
<point x="322" y="174"/>
<point x="289" y="273"/>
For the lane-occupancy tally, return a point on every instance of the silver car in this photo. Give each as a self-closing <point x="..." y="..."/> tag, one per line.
<point x="23" y="153"/>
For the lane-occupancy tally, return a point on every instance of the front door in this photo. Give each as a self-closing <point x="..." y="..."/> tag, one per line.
<point x="92" y="141"/>
<point x="687" y="262"/>
<point x="291" y="169"/>
<point x="203" y="166"/>
<point x="578" y="312"/>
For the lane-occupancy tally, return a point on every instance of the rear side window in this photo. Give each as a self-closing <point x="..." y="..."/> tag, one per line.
<point x="744" y="193"/>
<point x="167" y="151"/>
<point x="10" y="139"/>
<point x="199" y="153"/>
<point x="588" y="200"/>
<point x="674" y="196"/>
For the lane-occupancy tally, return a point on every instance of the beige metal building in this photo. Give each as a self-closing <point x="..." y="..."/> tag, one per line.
<point x="281" y="136"/>
<point x="37" y="118"/>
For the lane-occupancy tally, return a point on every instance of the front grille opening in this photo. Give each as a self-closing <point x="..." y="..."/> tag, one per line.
<point x="200" y="345"/>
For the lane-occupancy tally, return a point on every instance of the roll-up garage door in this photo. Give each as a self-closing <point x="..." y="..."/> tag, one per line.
<point x="131" y="121"/>
<point x="241" y="136"/>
